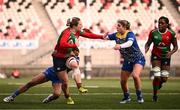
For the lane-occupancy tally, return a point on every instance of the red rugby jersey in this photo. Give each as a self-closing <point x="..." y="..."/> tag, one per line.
<point x="162" y="42"/>
<point x="62" y="47"/>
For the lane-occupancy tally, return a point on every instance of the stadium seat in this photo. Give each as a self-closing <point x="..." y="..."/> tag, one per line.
<point x="21" y="21"/>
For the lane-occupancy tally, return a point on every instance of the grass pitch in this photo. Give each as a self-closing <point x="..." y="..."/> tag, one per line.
<point x="104" y="93"/>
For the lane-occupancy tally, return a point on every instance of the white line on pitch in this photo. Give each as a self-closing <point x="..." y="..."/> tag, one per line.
<point x="95" y="94"/>
<point x="51" y="86"/>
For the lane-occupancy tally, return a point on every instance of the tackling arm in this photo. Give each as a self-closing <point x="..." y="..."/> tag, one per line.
<point x="88" y="34"/>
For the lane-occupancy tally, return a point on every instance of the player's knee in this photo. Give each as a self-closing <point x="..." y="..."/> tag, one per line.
<point x="157" y="71"/>
<point x="65" y="82"/>
<point x="123" y="81"/>
<point x="135" y="76"/>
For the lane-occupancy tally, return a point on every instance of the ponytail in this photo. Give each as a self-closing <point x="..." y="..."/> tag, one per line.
<point x="72" y="21"/>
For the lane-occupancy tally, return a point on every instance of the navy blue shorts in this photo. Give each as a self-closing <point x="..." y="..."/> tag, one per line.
<point x="59" y="64"/>
<point x="128" y="66"/>
<point x="50" y="74"/>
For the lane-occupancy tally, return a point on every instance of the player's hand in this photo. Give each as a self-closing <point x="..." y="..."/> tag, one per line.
<point x="169" y="54"/>
<point x="117" y="47"/>
<point x="105" y="36"/>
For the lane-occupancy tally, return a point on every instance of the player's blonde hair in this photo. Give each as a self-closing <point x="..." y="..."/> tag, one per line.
<point x="124" y="23"/>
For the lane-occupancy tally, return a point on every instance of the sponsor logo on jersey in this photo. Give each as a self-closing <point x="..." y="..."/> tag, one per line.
<point x="156" y="37"/>
<point x="58" y="68"/>
<point x="167" y="38"/>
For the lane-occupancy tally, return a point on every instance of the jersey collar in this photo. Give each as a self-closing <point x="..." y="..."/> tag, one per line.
<point x="120" y="36"/>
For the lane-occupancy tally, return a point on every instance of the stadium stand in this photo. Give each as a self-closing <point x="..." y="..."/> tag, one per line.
<point x="106" y="12"/>
<point x="176" y="3"/>
<point x="19" y="21"/>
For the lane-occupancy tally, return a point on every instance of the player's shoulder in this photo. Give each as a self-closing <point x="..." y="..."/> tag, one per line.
<point x="154" y="30"/>
<point x="67" y="30"/>
<point x="172" y="32"/>
<point x="130" y="34"/>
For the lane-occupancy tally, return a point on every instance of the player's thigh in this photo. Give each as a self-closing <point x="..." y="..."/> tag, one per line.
<point x="62" y="75"/>
<point x="165" y="64"/>
<point x="38" y="79"/>
<point x="165" y="67"/>
<point x="137" y="69"/>
<point x="124" y="75"/>
<point x="156" y="63"/>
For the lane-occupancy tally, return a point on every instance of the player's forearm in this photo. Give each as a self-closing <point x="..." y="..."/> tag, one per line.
<point x="126" y="44"/>
<point x="64" y="41"/>
<point x="67" y="45"/>
<point x="174" y="49"/>
<point x="92" y="35"/>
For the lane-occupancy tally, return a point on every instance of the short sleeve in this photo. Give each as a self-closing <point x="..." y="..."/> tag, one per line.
<point x="130" y="36"/>
<point x="173" y="35"/>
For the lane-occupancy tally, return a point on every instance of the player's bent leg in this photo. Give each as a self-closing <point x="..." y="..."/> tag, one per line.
<point x="124" y="78"/>
<point x="137" y="82"/>
<point x="56" y="93"/>
<point x="69" y="100"/>
<point x="164" y="77"/>
<point x="64" y="77"/>
<point x="73" y="64"/>
<point x="77" y="78"/>
<point x="156" y="82"/>
<point x="40" y="78"/>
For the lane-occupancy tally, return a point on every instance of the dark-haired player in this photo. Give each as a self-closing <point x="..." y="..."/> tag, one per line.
<point x="162" y="38"/>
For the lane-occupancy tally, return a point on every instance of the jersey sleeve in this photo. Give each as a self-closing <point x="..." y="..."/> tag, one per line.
<point x="173" y="35"/>
<point x="64" y="41"/>
<point x="88" y="34"/>
<point x="130" y="36"/>
<point x="112" y="36"/>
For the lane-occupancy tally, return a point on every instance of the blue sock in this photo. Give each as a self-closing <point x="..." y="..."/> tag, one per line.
<point x="139" y="93"/>
<point x="16" y="93"/>
<point x="126" y="95"/>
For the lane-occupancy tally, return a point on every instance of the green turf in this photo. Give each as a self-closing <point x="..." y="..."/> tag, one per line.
<point x="104" y="93"/>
